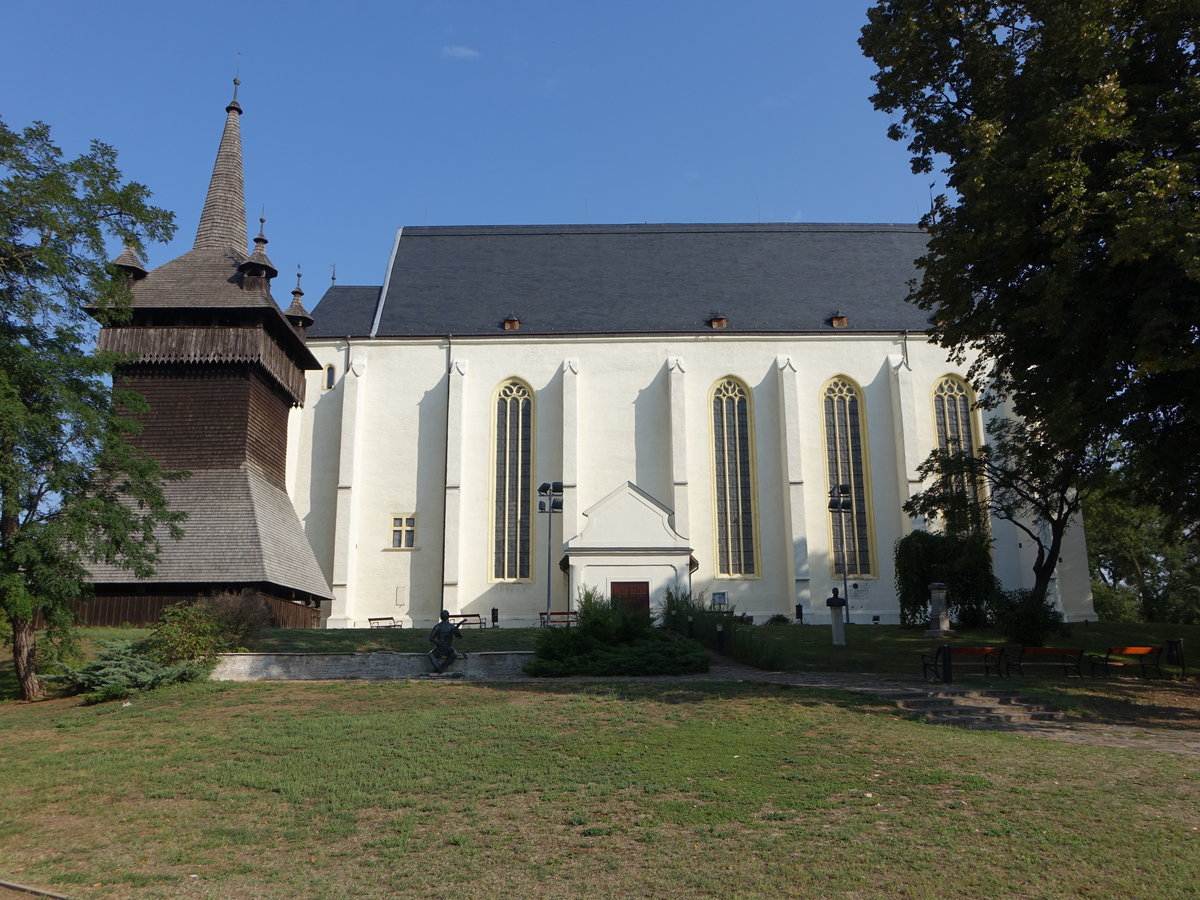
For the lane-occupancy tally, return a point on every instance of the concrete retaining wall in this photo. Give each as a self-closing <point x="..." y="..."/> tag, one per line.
<point x="379" y="665"/>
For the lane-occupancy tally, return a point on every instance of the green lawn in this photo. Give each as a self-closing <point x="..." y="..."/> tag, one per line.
<point x="665" y="790"/>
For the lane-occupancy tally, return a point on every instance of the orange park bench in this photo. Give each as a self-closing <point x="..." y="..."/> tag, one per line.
<point x="474" y="620"/>
<point x="383" y="622"/>
<point x="978" y="660"/>
<point x="566" y="617"/>
<point x="1069" y="660"/>
<point x="1120" y="659"/>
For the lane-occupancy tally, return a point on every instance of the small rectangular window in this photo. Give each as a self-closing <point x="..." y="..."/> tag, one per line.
<point x="404" y="532"/>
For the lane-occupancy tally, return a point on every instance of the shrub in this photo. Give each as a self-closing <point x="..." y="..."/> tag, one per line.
<point x="612" y="639"/>
<point x="242" y="615"/>
<point x="186" y="631"/>
<point x="679" y="605"/>
<point x="213" y="624"/>
<point x="123" y="668"/>
<point x="779" y="619"/>
<point x="1024" y="619"/>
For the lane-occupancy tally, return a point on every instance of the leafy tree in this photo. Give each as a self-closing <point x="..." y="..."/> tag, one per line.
<point x="72" y="489"/>
<point x="1068" y="253"/>
<point x="1145" y="566"/>
<point x="1030" y="481"/>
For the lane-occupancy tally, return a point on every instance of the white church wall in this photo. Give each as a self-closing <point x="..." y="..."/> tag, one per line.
<point x="615" y="397"/>
<point x="401" y="474"/>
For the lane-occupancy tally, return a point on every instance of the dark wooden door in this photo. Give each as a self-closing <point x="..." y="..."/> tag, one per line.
<point x="633" y="595"/>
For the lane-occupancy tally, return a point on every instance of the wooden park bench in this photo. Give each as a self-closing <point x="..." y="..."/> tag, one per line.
<point x="383" y="622"/>
<point x="1068" y="659"/>
<point x="558" y="617"/>
<point x="1122" y="658"/>
<point x="474" y="620"/>
<point x="986" y="660"/>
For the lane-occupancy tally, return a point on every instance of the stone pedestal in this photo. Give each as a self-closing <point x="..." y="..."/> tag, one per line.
<point x="939" y="612"/>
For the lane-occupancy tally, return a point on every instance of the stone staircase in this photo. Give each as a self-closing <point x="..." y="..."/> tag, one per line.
<point x="974" y="708"/>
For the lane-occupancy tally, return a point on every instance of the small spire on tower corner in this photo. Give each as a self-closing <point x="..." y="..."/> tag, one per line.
<point x="258" y="266"/>
<point x="296" y="314"/>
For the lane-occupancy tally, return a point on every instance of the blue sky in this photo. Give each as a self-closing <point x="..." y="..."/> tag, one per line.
<point x="361" y="117"/>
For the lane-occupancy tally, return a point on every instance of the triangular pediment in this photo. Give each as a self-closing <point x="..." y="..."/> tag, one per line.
<point x="628" y="519"/>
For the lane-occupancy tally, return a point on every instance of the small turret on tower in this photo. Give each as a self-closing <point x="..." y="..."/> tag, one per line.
<point x="131" y="264"/>
<point x="296" y="314"/>
<point x="257" y="271"/>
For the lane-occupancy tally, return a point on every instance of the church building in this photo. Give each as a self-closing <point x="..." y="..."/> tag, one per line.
<point x="692" y="395"/>
<point x="518" y="413"/>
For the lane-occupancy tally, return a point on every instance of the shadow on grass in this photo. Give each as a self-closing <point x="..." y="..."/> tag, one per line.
<point x="1163" y="704"/>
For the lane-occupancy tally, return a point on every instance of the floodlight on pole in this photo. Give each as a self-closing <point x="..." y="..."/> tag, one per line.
<point x="551" y="503"/>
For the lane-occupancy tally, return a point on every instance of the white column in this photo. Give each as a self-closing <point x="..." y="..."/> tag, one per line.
<point x="792" y="479"/>
<point x="679" y="471"/>
<point x="569" y="521"/>
<point x="452" y="522"/>
<point x="346" y="525"/>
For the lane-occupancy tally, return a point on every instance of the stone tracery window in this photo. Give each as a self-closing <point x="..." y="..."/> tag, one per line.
<point x="512" y="482"/>
<point x="734" y="479"/>
<point x="845" y="464"/>
<point x="955" y="430"/>
<point x="952" y="414"/>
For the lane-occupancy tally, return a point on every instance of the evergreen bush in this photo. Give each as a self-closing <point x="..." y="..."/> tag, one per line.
<point x="612" y="639"/>
<point x="123" y="668"/>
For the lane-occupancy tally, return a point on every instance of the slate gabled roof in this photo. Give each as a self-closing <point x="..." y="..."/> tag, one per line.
<point x="251" y="535"/>
<point x="635" y="279"/>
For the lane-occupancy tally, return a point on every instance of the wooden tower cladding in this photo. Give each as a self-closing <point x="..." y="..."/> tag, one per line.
<point x="221" y="366"/>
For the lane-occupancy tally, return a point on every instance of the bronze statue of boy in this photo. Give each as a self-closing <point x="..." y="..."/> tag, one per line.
<point x="442" y="637"/>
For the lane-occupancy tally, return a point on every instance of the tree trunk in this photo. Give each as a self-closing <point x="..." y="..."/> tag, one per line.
<point x="1047" y="561"/>
<point x="24" y="658"/>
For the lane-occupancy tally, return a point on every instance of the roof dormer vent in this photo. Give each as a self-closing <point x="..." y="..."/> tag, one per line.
<point x="718" y="320"/>
<point x="512" y="323"/>
<point x="839" y="320"/>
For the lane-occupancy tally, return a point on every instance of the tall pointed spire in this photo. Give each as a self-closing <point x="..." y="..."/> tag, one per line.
<point x="223" y="221"/>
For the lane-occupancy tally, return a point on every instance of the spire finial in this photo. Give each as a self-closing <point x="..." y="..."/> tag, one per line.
<point x="333" y="273"/>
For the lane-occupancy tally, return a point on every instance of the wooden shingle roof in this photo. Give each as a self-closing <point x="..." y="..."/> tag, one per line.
<point x="240" y="529"/>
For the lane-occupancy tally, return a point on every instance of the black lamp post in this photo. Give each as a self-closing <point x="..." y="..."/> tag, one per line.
<point x="551" y="493"/>
<point x="841" y="503"/>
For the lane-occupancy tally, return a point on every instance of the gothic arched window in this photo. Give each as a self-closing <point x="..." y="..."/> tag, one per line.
<point x="734" y="478"/>
<point x="512" y="482"/>
<point x="845" y="468"/>
<point x="955" y="431"/>
<point x="952" y="414"/>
